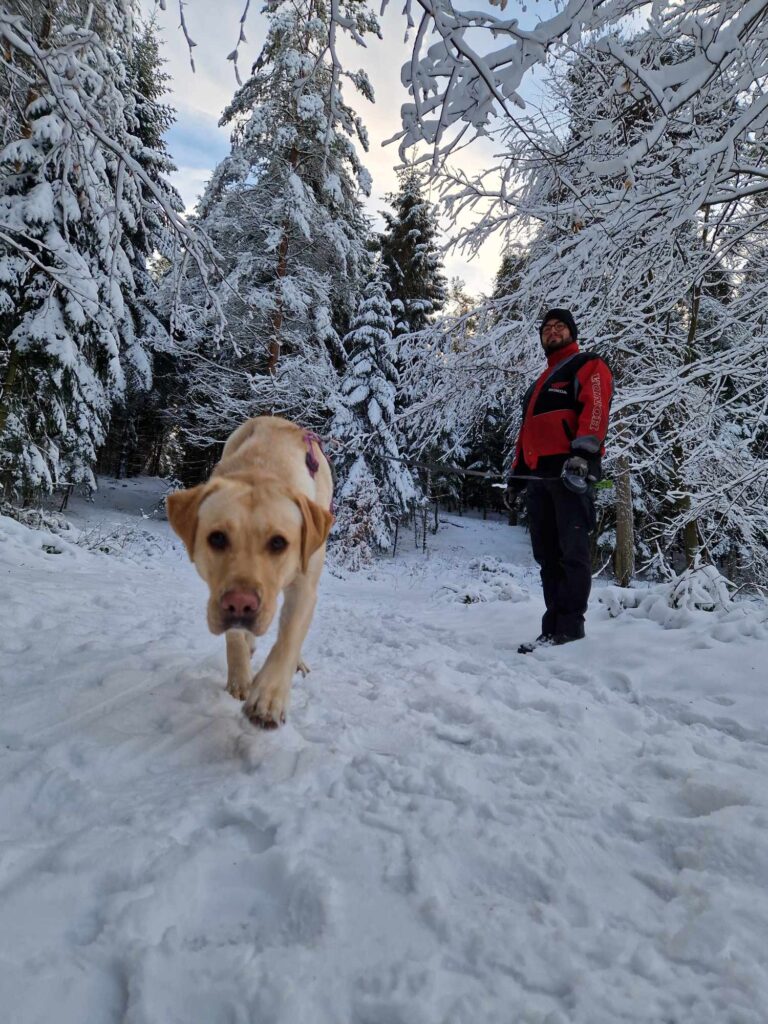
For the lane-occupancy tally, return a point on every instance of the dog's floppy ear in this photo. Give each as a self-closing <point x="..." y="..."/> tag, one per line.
<point x="316" y="526"/>
<point x="182" y="509"/>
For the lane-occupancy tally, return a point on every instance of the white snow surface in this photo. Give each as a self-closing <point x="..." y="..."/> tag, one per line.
<point x="445" y="832"/>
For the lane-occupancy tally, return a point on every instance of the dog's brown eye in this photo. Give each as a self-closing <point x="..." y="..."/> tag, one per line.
<point x="218" y="540"/>
<point x="278" y="544"/>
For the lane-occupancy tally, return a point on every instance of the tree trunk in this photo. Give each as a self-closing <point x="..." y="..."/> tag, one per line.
<point x="624" y="554"/>
<point x="691" y="541"/>
<point x="276" y="344"/>
<point x="277" y="318"/>
<point x="691" y="528"/>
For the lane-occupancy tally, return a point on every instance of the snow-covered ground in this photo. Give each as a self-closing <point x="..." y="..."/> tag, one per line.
<point x="444" y="833"/>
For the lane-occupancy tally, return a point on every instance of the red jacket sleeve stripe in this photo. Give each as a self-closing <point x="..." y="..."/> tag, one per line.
<point x="595" y="392"/>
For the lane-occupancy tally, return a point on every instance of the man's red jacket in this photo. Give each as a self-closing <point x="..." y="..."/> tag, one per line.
<point x="565" y="412"/>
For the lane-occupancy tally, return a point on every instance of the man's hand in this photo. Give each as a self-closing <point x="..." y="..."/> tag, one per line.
<point x="575" y="474"/>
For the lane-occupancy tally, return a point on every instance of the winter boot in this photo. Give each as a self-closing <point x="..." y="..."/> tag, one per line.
<point x="542" y="640"/>
<point x="565" y="638"/>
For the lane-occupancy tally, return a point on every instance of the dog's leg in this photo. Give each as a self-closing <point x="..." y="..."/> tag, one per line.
<point x="240" y="647"/>
<point x="267" y="702"/>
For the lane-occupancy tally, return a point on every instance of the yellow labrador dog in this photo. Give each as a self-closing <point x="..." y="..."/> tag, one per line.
<point x="255" y="530"/>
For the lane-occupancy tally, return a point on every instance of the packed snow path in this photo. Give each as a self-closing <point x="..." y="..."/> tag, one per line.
<point x="444" y="833"/>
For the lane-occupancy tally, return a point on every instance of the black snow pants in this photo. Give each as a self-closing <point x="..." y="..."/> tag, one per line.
<point x="561" y="523"/>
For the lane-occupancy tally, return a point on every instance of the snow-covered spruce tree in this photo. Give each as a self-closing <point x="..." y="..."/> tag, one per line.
<point x="492" y="437"/>
<point x="140" y="419"/>
<point x="377" y="488"/>
<point x="284" y="211"/>
<point x="413" y="268"/>
<point x="72" y="208"/>
<point x="413" y="264"/>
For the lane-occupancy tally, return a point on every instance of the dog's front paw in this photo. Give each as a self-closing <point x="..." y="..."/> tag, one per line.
<point x="303" y="667"/>
<point x="239" y="687"/>
<point x="267" y="704"/>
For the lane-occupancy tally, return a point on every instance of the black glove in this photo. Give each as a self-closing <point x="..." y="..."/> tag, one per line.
<point x="514" y="489"/>
<point x="515" y="485"/>
<point x="575" y="474"/>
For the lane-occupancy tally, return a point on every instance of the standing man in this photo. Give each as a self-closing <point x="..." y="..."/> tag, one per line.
<point x="565" y="419"/>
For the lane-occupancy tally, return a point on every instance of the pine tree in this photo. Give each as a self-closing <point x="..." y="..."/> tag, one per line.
<point x="140" y="420"/>
<point x="284" y="211"/>
<point x="507" y="281"/>
<point x="73" y="211"/>
<point x="412" y="261"/>
<point x="377" y="488"/>
<point x="413" y="269"/>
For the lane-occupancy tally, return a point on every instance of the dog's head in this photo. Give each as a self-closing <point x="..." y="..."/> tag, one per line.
<point x="248" y="540"/>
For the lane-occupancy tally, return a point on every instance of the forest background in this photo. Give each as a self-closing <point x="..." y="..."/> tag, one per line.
<point x="607" y="157"/>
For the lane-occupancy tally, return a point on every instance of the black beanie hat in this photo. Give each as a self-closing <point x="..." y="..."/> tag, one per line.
<point x="564" y="316"/>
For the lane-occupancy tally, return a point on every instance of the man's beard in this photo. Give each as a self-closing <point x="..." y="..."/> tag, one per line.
<point x="555" y="346"/>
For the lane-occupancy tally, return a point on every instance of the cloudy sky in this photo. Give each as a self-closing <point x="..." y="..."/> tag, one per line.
<point x="197" y="143"/>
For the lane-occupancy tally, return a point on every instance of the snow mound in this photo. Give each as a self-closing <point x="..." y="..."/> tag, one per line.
<point x="39" y="534"/>
<point x="490" y="580"/>
<point x="684" y="599"/>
